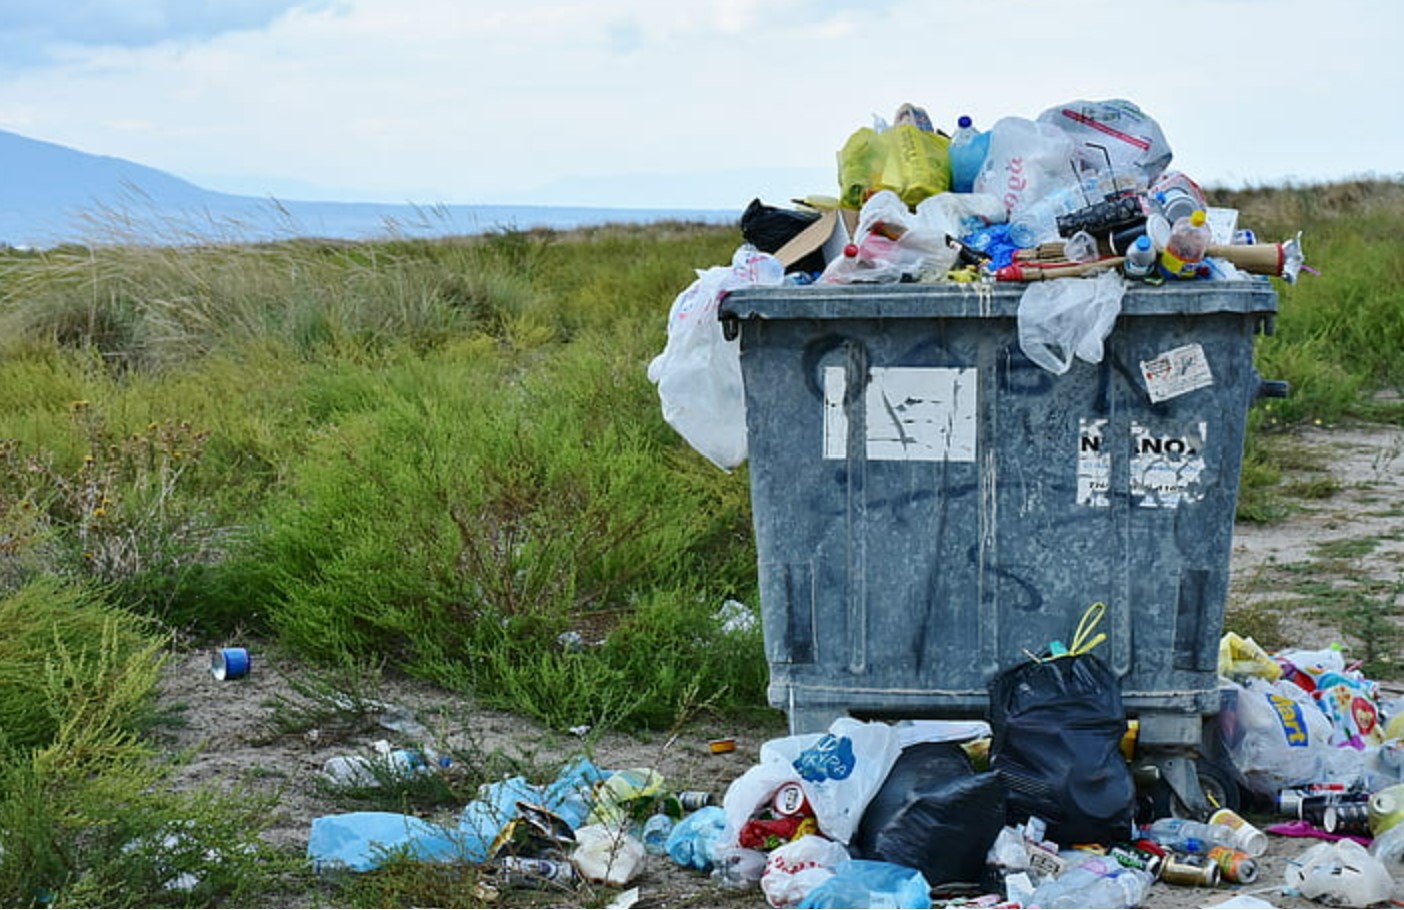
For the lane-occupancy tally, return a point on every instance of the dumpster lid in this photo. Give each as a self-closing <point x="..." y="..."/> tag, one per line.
<point x="922" y="301"/>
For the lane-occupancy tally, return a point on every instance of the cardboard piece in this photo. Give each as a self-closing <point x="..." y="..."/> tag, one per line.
<point x="828" y="234"/>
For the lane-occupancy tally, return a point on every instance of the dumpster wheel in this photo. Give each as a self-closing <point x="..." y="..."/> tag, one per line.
<point x="1220" y="788"/>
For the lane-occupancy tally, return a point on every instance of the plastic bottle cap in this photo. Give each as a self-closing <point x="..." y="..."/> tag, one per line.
<point x="1143" y="242"/>
<point x="1198" y="217"/>
<point x="964" y="122"/>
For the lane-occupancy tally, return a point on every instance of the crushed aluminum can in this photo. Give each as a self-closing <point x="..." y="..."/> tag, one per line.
<point x="536" y="872"/>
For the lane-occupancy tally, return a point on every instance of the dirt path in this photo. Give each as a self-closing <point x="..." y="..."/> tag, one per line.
<point x="1355" y="533"/>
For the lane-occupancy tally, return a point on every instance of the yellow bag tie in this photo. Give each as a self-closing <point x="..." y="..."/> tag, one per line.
<point x="1081" y="643"/>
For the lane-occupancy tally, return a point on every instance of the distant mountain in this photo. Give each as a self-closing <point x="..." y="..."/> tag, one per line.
<point x="51" y="194"/>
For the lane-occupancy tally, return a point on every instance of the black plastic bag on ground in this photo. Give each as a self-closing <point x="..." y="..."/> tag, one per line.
<point x="1057" y="728"/>
<point x="933" y="813"/>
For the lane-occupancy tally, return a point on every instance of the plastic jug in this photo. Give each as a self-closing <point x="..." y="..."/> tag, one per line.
<point x="1185" y="249"/>
<point x="967" y="151"/>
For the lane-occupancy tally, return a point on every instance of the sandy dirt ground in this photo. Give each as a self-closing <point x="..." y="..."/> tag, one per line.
<point x="226" y="723"/>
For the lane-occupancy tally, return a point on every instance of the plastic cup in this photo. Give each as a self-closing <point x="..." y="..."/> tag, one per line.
<point x="229" y="663"/>
<point x="1080" y="247"/>
<point x="1247" y="837"/>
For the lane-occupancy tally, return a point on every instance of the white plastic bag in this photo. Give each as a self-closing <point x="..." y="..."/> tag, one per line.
<point x="1341" y="873"/>
<point x="957" y="213"/>
<point x="699" y="371"/>
<point x="1276" y="736"/>
<point x="1068" y="317"/>
<point x="794" y="869"/>
<point x="889" y="245"/>
<point x="839" y="772"/>
<point x="1113" y="135"/>
<point x="1026" y="161"/>
<point x="604" y="853"/>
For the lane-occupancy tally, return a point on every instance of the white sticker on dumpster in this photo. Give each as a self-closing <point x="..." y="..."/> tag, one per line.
<point x="1166" y="467"/>
<point x="1176" y="372"/>
<point x="1093" y="464"/>
<point x="909" y="414"/>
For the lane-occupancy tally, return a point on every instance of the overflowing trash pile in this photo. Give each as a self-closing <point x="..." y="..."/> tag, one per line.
<point x="1084" y="187"/>
<point x="1074" y="206"/>
<point x="924" y="813"/>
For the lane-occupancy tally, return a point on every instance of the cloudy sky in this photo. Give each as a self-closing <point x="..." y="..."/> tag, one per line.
<point x="655" y="102"/>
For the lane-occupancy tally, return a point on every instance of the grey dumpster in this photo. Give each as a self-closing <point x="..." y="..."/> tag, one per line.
<point x="929" y="504"/>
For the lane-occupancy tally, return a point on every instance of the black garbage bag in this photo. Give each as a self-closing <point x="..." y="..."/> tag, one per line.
<point x="769" y="228"/>
<point x="934" y="813"/>
<point x="1057" y="727"/>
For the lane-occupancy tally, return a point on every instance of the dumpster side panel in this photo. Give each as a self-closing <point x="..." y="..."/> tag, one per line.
<point x="930" y="506"/>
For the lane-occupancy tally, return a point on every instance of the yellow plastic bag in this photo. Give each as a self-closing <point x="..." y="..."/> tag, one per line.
<point x="626" y="794"/>
<point x="907" y="160"/>
<point x="1239" y="657"/>
<point x="860" y="164"/>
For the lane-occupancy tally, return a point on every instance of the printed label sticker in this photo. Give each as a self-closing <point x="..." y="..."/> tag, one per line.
<point x="1176" y="372"/>
<point x="1166" y="468"/>
<point x="1093" y="464"/>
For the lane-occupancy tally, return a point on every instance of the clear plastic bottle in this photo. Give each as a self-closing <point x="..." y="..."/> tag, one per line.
<point x="1037" y="222"/>
<point x="372" y="770"/>
<point x="1140" y="259"/>
<point x="1091" y="885"/>
<point x="1188" y="836"/>
<point x="967" y="151"/>
<point x="1186" y="247"/>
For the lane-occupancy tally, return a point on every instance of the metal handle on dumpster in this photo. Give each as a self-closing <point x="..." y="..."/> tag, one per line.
<point x="1274" y="388"/>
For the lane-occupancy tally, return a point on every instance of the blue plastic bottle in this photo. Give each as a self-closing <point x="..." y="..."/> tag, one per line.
<point x="968" y="149"/>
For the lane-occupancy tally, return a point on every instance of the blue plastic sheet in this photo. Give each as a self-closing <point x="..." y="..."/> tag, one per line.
<point x="361" y="840"/>
<point x="871" y="883"/>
